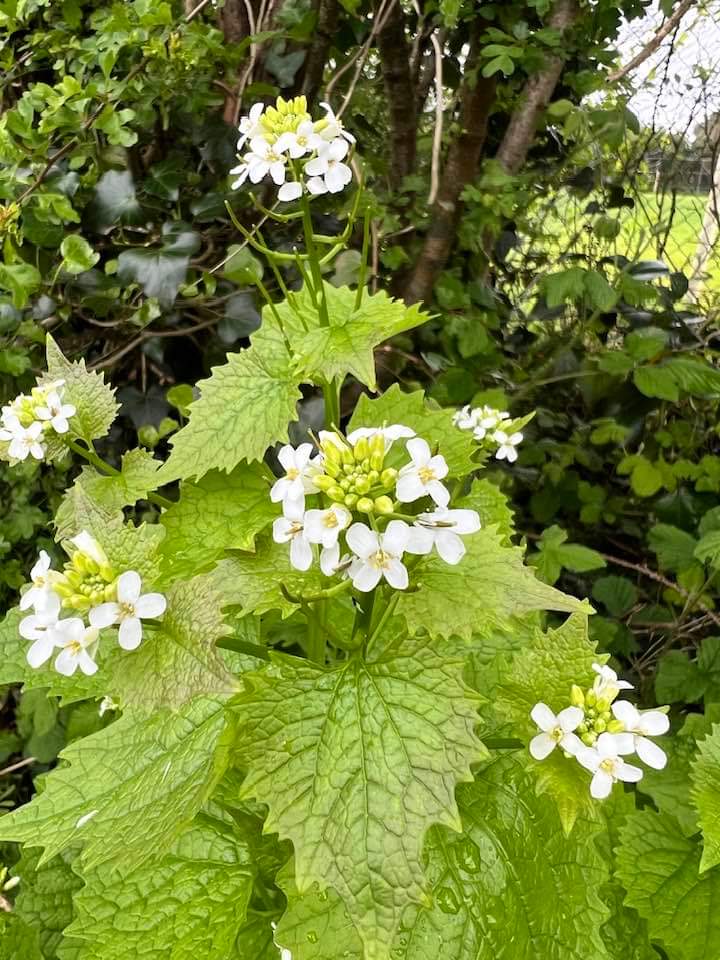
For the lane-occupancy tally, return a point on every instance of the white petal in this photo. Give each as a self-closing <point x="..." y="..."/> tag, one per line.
<point x="150" y="605"/>
<point x="329" y="559"/>
<point x="365" y="577"/>
<point x="90" y="547"/>
<point x="316" y="167"/>
<point x="314" y="525"/>
<point x="286" y="456"/>
<point x="570" y="718"/>
<point x="104" y="615"/>
<point x="409" y="488"/>
<point x="396" y="575"/>
<point x="588" y="758"/>
<point x="601" y="785"/>
<point x="449" y="546"/>
<point x="86" y="663"/>
<point x="571" y="744"/>
<point x="282" y="530"/>
<point x="66" y="663"/>
<point x="607" y="744"/>
<point x="654" y="723"/>
<point x="628" y="773"/>
<point x="316" y="186"/>
<point x="301" y="555"/>
<point x="420" y="541"/>
<point x="542" y="715"/>
<point x="363" y="541"/>
<point x="41" y="651"/>
<point x="291" y="190"/>
<point x="464" y="521"/>
<point x="396" y="537"/>
<point x="419" y="451"/>
<point x="650" y="753"/>
<point x="129" y="586"/>
<point x="626" y="713"/>
<point x="336" y="178"/>
<point x="624" y="743"/>
<point x="439" y="493"/>
<point x="397" y="431"/>
<point x="130" y="633"/>
<point x="541" y="746"/>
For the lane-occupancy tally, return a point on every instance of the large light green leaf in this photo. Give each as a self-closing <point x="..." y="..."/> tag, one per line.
<point x="355" y="763"/>
<point x="544" y="670"/>
<point x="492" y="506"/>
<point x="108" y="494"/>
<point x="215" y="514"/>
<point x="244" y="407"/>
<point x="489" y="585"/>
<point x="127" y="791"/>
<point x="45" y="895"/>
<point x="94" y="400"/>
<point x="431" y="422"/>
<point x="18" y="939"/>
<point x="511" y="884"/>
<point x="659" y="868"/>
<point x="706" y="796"/>
<point x="189" y="904"/>
<point x="343" y="346"/>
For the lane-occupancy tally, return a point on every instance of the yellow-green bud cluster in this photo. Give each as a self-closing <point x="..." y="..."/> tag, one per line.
<point x="85" y="583"/>
<point x="598" y="716"/>
<point x="355" y="476"/>
<point x="285" y="117"/>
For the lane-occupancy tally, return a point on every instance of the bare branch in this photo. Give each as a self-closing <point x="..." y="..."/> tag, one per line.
<point x="652" y="45"/>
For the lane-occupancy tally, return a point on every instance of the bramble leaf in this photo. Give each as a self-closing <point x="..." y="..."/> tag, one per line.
<point x="355" y="763"/>
<point x="127" y="791"/>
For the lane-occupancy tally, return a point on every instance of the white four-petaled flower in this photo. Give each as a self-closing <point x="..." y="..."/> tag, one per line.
<point x="421" y="477"/>
<point x="300" y="467"/>
<point x="55" y="412"/>
<point x="326" y="171"/>
<point x="378" y="555"/>
<point x="506" y="445"/>
<point x="650" y="723"/>
<point x="42" y="628"/>
<point x="291" y="527"/>
<point x="130" y="608"/>
<point x="264" y="158"/>
<point x="325" y="526"/>
<point x="555" y="730"/>
<point x="396" y="431"/>
<point x="442" y="529"/>
<point x="24" y="441"/>
<point x="40" y="592"/>
<point x="605" y="762"/>
<point x="606" y="683"/>
<point x="77" y="642"/>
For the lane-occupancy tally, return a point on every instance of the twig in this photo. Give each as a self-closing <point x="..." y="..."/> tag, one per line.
<point x="653" y="44"/>
<point x="109" y="359"/>
<point x="438" y="132"/>
<point x="196" y="10"/>
<point x="17" y="766"/>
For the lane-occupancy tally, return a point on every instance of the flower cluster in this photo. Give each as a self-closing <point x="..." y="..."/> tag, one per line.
<point x="350" y="476"/>
<point x="598" y="730"/>
<point x="298" y="153"/>
<point x="25" y="423"/>
<point x="87" y="586"/>
<point x="491" y="427"/>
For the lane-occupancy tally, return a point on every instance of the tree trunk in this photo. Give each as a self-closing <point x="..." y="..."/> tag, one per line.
<point x="394" y="53"/>
<point x="539" y="88"/>
<point x="323" y="35"/>
<point x="478" y="94"/>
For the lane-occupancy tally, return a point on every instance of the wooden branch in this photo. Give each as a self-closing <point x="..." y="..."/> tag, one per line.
<point x="672" y="21"/>
<point x="460" y="169"/>
<point x="397" y="74"/>
<point x="539" y="88"/>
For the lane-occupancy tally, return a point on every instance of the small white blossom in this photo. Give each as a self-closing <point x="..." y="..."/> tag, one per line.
<point x="325" y="526"/>
<point x="55" y="412"/>
<point x="264" y="158"/>
<point x="250" y="125"/>
<point x="555" y="730"/>
<point x="606" y="683"/>
<point x="89" y="547"/>
<point x="506" y="445"/>
<point x="378" y="555"/>
<point x="651" y="723"/>
<point x="42" y="627"/>
<point x="442" y="529"/>
<point x="77" y="642"/>
<point x="333" y="127"/>
<point x="300" y="142"/>
<point x="487" y="420"/>
<point x="328" y="164"/>
<point x="290" y="190"/>
<point x="466" y="417"/>
<point x="331" y="563"/>
<point x="131" y="607"/>
<point x="24" y="441"/>
<point x="422" y="476"/>
<point x="607" y="766"/>
<point x="41" y="590"/>
<point x="300" y="467"/>
<point x="291" y="527"/>
<point x="395" y="431"/>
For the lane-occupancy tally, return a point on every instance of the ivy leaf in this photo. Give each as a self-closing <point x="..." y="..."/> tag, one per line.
<point x="355" y="763"/>
<point x="511" y="877"/>
<point x="192" y="902"/>
<point x="544" y="671"/>
<point x="93" y="399"/>
<point x="21" y="279"/>
<point x="78" y="256"/>
<point x="229" y="509"/>
<point x="45" y="900"/>
<point x="244" y="407"/>
<point x="706" y="797"/>
<point x="127" y="791"/>
<point x="161" y="270"/>
<point x="501" y="587"/>
<point x="135" y="480"/>
<point x="347" y="343"/>
<point x="433" y="423"/>
<point x="114" y="202"/>
<point x="681" y="907"/>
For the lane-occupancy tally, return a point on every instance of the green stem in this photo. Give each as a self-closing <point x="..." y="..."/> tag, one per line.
<point x="331" y="395"/>
<point x="314" y="263"/>
<point x="363" y="261"/>
<point x="108" y="469"/>
<point x="503" y="743"/>
<point x="316" y="639"/>
<point x="243" y="646"/>
<point x="385" y="616"/>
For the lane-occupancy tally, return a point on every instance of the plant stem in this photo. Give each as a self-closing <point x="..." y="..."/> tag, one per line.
<point x="243" y="646"/>
<point x="316" y="638"/>
<point x="92" y="457"/>
<point x="503" y="743"/>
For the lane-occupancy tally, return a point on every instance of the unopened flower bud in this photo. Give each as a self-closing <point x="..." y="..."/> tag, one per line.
<point x="383" y="505"/>
<point x="603" y="705"/>
<point x="345" y="484"/>
<point x="323" y="482"/>
<point x="577" y="697"/>
<point x="350" y="500"/>
<point x="588" y="738"/>
<point x="388" y="477"/>
<point x="591" y="698"/>
<point x="600" y="725"/>
<point x="336" y="493"/>
<point x="362" y="485"/>
<point x="373" y="476"/>
<point x="361" y="449"/>
<point x="365" y="505"/>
